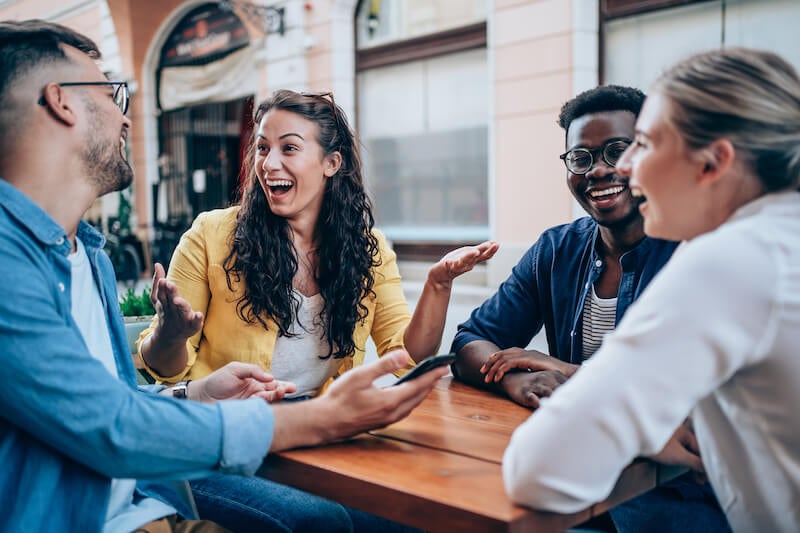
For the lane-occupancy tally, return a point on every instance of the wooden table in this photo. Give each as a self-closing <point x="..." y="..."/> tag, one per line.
<point x="440" y="468"/>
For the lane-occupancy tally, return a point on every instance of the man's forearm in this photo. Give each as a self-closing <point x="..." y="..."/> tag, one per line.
<point x="471" y="358"/>
<point x="300" y="424"/>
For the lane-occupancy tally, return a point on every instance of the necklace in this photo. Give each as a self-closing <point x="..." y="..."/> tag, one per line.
<point x="305" y="281"/>
<point x="306" y="260"/>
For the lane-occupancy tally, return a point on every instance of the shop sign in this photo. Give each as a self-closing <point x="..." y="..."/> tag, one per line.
<point x="204" y="35"/>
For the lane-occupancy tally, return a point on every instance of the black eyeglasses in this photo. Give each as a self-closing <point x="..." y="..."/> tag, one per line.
<point x="581" y="161"/>
<point x="121" y="94"/>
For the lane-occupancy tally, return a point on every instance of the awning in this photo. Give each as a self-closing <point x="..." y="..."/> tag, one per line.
<point x="234" y="76"/>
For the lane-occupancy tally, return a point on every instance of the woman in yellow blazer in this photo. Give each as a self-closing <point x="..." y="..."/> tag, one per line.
<point x="296" y="278"/>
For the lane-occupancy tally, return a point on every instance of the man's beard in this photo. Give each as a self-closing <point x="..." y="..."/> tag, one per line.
<point x="107" y="168"/>
<point x="624" y="221"/>
<point x="105" y="165"/>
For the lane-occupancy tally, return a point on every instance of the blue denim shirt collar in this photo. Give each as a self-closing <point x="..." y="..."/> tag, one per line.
<point x="634" y="256"/>
<point x="632" y="263"/>
<point x="90" y="237"/>
<point x="34" y="218"/>
<point x="41" y="225"/>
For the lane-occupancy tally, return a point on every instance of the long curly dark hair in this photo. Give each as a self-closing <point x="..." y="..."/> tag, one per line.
<point x="262" y="252"/>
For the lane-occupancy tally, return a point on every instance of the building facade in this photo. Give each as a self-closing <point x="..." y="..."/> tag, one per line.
<point x="455" y="101"/>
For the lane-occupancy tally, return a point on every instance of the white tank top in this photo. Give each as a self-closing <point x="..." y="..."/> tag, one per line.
<point x="297" y="359"/>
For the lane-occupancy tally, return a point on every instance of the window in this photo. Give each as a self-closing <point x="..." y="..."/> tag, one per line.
<point x="423" y="112"/>
<point x="381" y="22"/>
<point x="639" y="47"/>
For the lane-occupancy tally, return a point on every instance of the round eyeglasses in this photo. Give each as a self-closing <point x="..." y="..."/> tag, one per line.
<point x="581" y="161"/>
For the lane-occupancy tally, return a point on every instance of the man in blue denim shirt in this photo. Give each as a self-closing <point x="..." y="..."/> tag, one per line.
<point x="70" y="426"/>
<point x="577" y="281"/>
<point x="604" y="258"/>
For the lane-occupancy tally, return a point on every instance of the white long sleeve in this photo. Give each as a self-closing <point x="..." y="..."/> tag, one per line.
<point x="728" y="302"/>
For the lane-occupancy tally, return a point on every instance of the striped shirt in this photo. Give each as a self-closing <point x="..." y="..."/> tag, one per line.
<point x="599" y="318"/>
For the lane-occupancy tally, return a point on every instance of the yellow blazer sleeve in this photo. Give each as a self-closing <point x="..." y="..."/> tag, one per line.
<point x="188" y="269"/>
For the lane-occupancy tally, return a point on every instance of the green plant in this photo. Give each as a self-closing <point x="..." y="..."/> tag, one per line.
<point x="133" y="304"/>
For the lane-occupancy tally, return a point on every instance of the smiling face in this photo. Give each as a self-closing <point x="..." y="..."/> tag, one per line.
<point x="601" y="192"/>
<point x="290" y="165"/>
<point x="661" y="167"/>
<point x="105" y="128"/>
<point x="104" y="155"/>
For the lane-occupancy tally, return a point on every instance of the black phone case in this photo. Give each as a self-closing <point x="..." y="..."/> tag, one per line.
<point x="427" y="365"/>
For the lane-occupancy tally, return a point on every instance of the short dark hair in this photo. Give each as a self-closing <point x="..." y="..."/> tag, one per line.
<point x="600" y="99"/>
<point x="28" y="44"/>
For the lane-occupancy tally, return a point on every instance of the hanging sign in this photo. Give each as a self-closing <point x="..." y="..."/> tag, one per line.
<point x="204" y="35"/>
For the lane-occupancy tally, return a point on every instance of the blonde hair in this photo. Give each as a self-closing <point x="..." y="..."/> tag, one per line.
<point x="751" y="98"/>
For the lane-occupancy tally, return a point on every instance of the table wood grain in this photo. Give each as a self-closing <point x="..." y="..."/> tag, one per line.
<point x="439" y="469"/>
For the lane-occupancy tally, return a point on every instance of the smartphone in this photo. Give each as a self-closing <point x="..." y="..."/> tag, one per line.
<point x="427" y="365"/>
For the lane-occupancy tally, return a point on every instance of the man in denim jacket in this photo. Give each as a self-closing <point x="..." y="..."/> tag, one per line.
<point x="75" y="432"/>
<point x="604" y="259"/>
<point x="577" y="281"/>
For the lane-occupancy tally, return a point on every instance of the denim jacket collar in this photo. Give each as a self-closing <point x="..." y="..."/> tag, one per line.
<point x="634" y="255"/>
<point x="634" y="263"/>
<point x="29" y="214"/>
<point x="41" y="224"/>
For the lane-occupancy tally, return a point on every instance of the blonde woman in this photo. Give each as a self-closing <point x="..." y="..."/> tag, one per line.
<point x="716" y="334"/>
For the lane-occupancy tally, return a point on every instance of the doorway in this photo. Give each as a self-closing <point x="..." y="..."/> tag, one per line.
<point x="201" y="153"/>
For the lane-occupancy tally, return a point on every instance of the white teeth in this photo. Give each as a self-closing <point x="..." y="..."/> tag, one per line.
<point x="279" y="183"/>
<point x="606" y="192"/>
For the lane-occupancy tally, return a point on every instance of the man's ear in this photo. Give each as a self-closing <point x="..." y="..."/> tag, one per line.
<point x="59" y="103"/>
<point x="718" y="158"/>
<point x="333" y="162"/>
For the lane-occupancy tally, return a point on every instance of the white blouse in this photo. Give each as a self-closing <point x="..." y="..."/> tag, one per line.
<point x="718" y="330"/>
<point x="297" y="359"/>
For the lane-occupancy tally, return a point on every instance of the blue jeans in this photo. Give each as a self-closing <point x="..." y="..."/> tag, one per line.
<point x="682" y="505"/>
<point x="245" y="504"/>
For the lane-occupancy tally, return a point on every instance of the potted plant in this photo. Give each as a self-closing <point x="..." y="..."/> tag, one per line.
<point x="137" y="312"/>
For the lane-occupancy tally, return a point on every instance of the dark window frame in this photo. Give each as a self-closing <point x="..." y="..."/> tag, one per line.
<point x="427" y="252"/>
<point x="424" y="47"/>
<point x="613" y="9"/>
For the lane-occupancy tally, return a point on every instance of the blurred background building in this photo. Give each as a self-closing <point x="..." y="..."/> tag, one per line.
<point x="455" y="101"/>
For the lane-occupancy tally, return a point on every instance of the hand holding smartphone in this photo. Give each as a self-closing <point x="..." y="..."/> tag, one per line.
<point x="426" y="365"/>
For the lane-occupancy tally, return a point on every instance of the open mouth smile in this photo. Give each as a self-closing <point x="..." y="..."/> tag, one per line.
<point x="605" y="193"/>
<point x="279" y="187"/>
<point x="606" y="197"/>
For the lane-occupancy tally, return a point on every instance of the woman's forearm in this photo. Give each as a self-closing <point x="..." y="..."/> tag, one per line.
<point x="166" y="358"/>
<point x="424" y="332"/>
